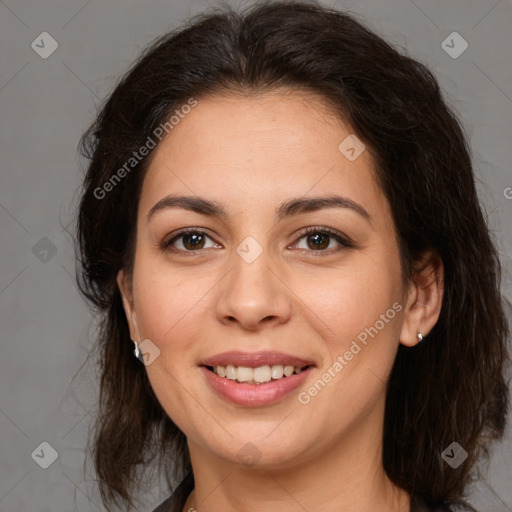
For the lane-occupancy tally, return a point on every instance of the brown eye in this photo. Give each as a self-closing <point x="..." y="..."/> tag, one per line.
<point x="322" y="240"/>
<point x="318" y="241"/>
<point x="193" y="241"/>
<point x="188" y="241"/>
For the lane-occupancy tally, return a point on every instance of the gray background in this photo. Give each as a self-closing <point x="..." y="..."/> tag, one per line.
<point x="46" y="104"/>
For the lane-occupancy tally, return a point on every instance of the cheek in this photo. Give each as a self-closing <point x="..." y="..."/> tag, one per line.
<point x="362" y="310"/>
<point x="169" y="309"/>
<point x="363" y="315"/>
<point x="166" y="298"/>
<point x="348" y="301"/>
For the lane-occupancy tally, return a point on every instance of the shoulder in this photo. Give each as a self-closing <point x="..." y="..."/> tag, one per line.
<point x="176" y="501"/>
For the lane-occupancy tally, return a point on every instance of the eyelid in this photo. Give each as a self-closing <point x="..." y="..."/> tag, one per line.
<point x="167" y="242"/>
<point x="341" y="238"/>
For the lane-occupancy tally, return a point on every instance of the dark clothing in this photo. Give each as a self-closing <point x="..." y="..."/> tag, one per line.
<point x="176" y="501"/>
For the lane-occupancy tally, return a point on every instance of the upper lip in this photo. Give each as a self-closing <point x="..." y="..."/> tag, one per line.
<point x="255" y="359"/>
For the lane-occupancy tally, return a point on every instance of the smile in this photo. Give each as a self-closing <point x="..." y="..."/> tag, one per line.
<point x="259" y="375"/>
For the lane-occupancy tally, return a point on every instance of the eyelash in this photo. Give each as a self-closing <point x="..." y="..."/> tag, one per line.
<point x="341" y="239"/>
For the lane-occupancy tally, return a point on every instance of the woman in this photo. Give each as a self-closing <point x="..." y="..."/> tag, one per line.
<point x="280" y="221"/>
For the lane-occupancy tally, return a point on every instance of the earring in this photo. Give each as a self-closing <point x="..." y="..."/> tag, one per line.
<point x="138" y="353"/>
<point x="419" y="336"/>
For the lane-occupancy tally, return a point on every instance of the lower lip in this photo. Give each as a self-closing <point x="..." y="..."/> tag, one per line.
<point x="254" y="395"/>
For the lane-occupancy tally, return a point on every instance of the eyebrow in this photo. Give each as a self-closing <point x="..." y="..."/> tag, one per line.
<point x="287" y="209"/>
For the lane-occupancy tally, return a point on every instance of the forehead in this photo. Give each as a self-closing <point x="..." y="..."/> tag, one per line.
<point x="260" y="149"/>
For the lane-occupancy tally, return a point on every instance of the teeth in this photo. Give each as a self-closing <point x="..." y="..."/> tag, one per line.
<point x="230" y="372"/>
<point x="244" y="374"/>
<point x="277" y="371"/>
<point x="261" y="374"/>
<point x="288" y="370"/>
<point x="256" y="375"/>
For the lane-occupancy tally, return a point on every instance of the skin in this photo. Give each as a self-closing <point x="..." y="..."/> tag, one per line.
<point x="252" y="154"/>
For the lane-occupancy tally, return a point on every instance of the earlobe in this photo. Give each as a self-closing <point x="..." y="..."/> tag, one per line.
<point x="424" y="300"/>
<point x="128" y="303"/>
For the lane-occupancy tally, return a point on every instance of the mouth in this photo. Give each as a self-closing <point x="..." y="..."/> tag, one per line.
<point x="255" y="379"/>
<point x="258" y="375"/>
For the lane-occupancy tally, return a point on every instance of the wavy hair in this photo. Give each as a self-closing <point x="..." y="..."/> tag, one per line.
<point x="451" y="387"/>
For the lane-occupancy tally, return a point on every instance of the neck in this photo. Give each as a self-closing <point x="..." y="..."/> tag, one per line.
<point x="346" y="477"/>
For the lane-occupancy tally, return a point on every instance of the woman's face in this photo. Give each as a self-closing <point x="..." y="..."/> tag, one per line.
<point x="253" y="282"/>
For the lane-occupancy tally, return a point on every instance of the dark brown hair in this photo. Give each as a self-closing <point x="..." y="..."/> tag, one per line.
<point x="449" y="388"/>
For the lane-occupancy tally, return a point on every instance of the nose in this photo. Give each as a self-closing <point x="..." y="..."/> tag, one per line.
<point x="253" y="295"/>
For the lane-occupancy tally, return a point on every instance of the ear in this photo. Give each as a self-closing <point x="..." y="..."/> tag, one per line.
<point x="125" y="287"/>
<point x="424" y="298"/>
